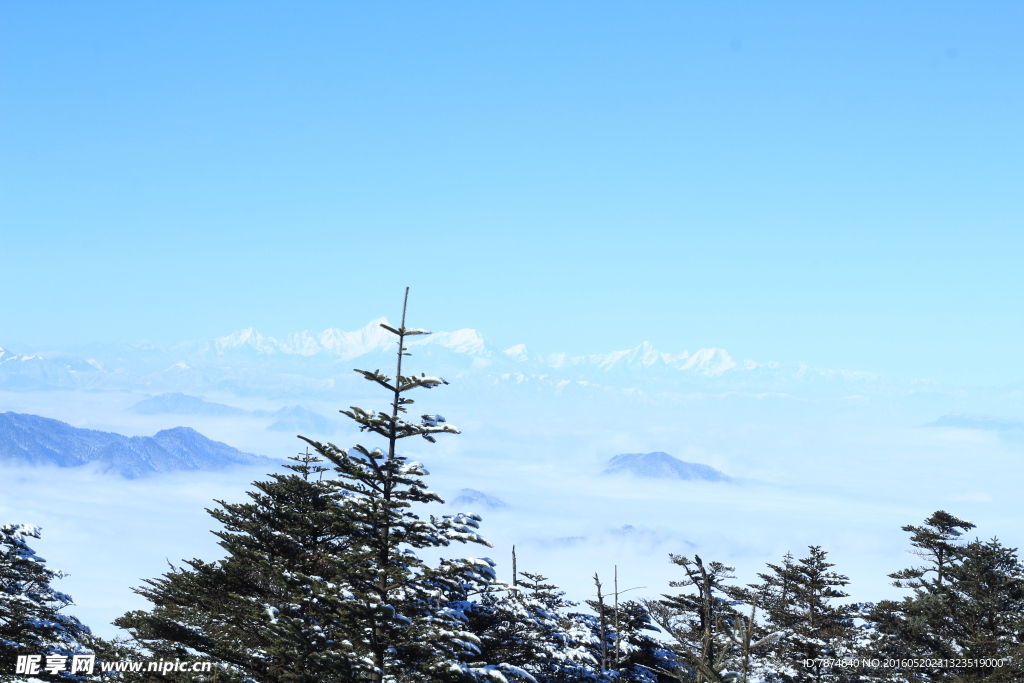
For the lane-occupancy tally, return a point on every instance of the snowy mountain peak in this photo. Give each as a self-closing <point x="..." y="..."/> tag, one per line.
<point x="332" y="340"/>
<point x="300" y="343"/>
<point x="460" y="341"/>
<point x="517" y="353"/>
<point x="6" y="356"/>
<point x="249" y="338"/>
<point x="712" y="361"/>
<point x="351" y="344"/>
<point x="645" y="354"/>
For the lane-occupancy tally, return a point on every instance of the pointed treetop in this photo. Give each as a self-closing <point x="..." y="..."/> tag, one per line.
<point x="401" y="331"/>
<point x="404" y="332"/>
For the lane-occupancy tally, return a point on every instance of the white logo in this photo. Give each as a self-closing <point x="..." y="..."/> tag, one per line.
<point x="30" y="664"/>
<point x="83" y="664"/>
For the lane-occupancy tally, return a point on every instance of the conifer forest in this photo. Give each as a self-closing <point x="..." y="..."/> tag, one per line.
<point x="322" y="579"/>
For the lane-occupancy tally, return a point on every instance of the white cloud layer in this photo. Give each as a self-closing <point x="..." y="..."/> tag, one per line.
<point x="840" y="460"/>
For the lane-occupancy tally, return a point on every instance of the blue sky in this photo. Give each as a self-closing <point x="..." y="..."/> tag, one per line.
<point x="838" y="184"/>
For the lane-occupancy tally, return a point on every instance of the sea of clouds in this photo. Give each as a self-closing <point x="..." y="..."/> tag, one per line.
<point x="843" y="467"/>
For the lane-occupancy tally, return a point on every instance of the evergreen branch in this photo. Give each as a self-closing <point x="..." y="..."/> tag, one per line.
<point x="403" y="332"/>
<point x="390" y="426"/>
<point x="407" y="383"/>
<point x="378" y="377"/>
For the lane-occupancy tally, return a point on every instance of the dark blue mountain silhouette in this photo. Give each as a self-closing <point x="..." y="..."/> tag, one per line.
<point x="473" y="497"/>
<point x="662" y="466"/>
<point x="35" y="440"/>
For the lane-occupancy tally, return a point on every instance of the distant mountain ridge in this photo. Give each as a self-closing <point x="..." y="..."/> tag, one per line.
<point x="345" y="345"/>
<point x="175" y="403"/>
<point x="306" y="364"/>
<point x="479" y="498"/>
<point x="287" y="419"/>
<point x="34" y="440"/>
<point x="660" y="465"/>
<point x="970" y="421"/>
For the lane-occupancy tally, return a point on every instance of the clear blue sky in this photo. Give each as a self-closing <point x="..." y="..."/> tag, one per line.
<point x="839" y="183"/>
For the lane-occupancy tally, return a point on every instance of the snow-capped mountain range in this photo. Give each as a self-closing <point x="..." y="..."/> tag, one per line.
<point x="304" y="363"/>
<point x="346" y="345"/>
<point x="373" y="338"/>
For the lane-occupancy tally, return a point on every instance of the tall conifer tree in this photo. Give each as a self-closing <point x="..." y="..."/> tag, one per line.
<point x="799" y="598"/>
<point x="966" y="605"/>
<point x="276" y="608"/>
<point x="528" y="625"/>
<point x="411" y="616"/>
<point x="322" y="581"/>
<point x="31" y="621"/>
<point x="698" y="621"/>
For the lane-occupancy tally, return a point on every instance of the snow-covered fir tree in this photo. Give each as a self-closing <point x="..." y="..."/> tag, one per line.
<point x="986" y="595"/>
<point x="321" y="581"/>
<point x="937" y="541"/>
<point x="800" y="598"/>
<point x="635" y="653"/>
<point x="698" y="621"/>
<point x="528" y="625"/>
<point x="621" y="638"/>
<point x="410" y="618"/>
<point x="966" y="604"/>
<point x="275" y="609"/>
<point x="921" y="624"/>
<point x="31" y="620"/>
